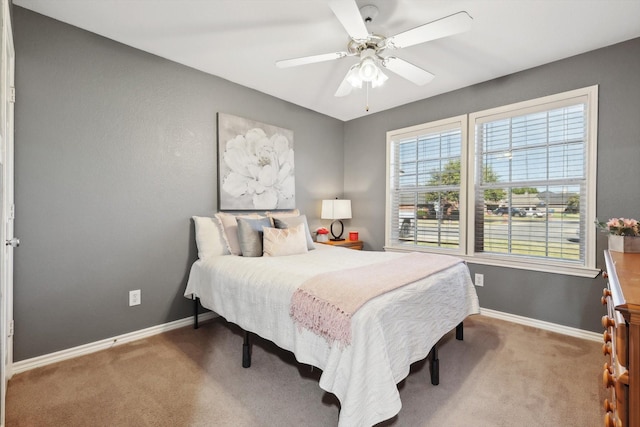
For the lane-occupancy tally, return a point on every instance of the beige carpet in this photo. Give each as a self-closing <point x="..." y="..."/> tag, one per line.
<point x="502" y="374"/>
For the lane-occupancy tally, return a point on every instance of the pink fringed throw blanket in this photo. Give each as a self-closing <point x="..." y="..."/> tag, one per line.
<point x="325" y="303"/>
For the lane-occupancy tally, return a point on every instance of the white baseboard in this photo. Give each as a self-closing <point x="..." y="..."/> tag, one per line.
<point x="58" y="356"/>
<point x="47" y="359"/>
<point x="541" y="324"/>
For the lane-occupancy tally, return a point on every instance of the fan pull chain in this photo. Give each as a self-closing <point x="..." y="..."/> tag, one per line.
<point x="367" y="106"/>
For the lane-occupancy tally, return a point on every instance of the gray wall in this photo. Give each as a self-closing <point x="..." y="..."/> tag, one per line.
<point x="561" y="299"/>
<point x="115" y="151"/>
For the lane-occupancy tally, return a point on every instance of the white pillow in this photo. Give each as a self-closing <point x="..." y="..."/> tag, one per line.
<point x="229" y="225"/>
<point x="284" y="241"/>
<point x="209" y="237"/>
<point x="292" y="221"/>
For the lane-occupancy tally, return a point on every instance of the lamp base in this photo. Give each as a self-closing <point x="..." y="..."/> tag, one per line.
<point x="337" y="238"/>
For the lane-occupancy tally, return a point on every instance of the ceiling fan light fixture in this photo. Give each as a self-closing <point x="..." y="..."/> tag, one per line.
<point x="353" y="76"/>
<point x="368" y="69"/>
<point x="379" y="80"/>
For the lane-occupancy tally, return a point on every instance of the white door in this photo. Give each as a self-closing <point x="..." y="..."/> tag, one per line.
<point x="7" y="209"/>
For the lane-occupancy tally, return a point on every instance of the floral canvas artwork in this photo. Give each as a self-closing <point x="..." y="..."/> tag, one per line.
<point x="255" y="165"/>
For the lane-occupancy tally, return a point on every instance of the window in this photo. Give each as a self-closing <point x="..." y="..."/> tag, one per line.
<point x="427" y="169"/>
<point x="522" y="195"/>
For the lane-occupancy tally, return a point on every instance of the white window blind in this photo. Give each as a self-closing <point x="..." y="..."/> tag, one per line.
<point x="426" y="173"/>
<point x="531" y="182"/>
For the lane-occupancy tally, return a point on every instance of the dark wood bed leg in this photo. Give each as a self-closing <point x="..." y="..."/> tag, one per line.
<point x="195" y="313"/>
<point x="435" y="366"/>
<point x="246" y="351"/>
<point x="460" y="332"/>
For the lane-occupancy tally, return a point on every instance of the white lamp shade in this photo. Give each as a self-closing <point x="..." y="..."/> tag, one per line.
<point x="368" y="70"/>
<point x="336" y="209"/>
<point x="379" y="80"/>
<point x="353" y="78"/>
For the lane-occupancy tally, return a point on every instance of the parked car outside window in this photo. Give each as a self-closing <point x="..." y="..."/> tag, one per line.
<point x="534" y="213"/>
<point x="504" y="210"/>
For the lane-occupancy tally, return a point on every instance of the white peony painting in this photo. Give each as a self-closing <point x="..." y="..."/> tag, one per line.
<point x="255" y="165"/>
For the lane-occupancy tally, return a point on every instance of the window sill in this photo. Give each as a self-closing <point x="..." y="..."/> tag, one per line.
<point x="544" y="266"/>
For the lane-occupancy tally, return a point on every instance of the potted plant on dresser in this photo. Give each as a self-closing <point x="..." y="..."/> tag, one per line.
<point x="624" y="234"/>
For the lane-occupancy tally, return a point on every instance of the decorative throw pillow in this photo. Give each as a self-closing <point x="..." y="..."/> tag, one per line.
<point x="288" y="222"/>
<point x="250" y="235"/>
<point x="229" y="225"/>
<point x="287" y="241"/>
<point x="209" y="237"/>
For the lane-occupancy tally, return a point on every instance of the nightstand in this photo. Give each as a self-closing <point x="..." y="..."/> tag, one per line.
<point x="351" y="244"/>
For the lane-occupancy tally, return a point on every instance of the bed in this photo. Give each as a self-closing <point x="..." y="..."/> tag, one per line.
<point x="388" y="332"/>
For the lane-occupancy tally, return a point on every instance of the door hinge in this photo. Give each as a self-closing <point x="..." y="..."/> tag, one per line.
<point x="12" y="212"/>
<point x="12" y="94"/>
<point x="10" y="329"/>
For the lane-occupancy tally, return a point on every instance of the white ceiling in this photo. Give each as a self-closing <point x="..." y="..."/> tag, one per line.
<point x="240" y="40"/>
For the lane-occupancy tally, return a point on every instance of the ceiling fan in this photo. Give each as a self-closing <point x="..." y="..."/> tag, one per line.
<point x="369" y="47"/>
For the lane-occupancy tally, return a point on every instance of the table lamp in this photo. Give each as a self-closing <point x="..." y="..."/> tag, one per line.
<point x="336" y="210"/>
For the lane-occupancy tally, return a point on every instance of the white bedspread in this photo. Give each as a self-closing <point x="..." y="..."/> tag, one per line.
<point x="388" y="333"/>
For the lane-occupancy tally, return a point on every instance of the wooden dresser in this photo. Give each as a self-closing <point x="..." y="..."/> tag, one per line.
<point x="621" y="346"/>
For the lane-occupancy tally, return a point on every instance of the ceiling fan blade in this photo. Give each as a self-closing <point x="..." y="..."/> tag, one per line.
<point x="407" y="70"/>
<point x="349" y="16"/>
<point x="285" y="63"/>
<point x="444" y="27"/>
<point x="344" y="89"/>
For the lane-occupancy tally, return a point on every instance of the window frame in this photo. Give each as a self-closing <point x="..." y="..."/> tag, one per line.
<point x="431" y="127"/>
<point x="468" y="161"/>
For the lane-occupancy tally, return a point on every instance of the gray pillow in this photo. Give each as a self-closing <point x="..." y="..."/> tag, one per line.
<point x="292" y="221"/>
<point x="250" y="235"/>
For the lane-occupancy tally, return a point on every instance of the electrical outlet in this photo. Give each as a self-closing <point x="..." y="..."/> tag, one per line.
<point x="479" y="279"/>
<point x="134" y="297"/>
